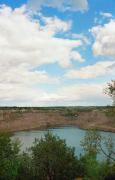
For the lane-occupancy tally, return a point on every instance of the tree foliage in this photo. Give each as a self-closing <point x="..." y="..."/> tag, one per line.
<point x="53" y="159"/>
<point x="91" y="142"/>
<point x="8" y="157"/>
<point x="92" y="145"/>
<point x="110" y="90"/>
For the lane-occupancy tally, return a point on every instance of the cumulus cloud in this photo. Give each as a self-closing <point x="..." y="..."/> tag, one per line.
<point x="104" y="35"/>
<point x="92" y="71"/>
<point x="25" y="45"/>
<point x="25" y="41"/>
<point x="63" y="5"/>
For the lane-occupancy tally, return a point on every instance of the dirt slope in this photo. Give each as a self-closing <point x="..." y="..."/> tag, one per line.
<point x="17" y="121"/>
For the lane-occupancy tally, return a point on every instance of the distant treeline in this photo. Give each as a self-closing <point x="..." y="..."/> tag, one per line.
<point x="54" y="107"/>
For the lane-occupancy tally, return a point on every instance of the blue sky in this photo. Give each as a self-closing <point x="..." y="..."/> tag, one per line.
<point x="56" y="52"/>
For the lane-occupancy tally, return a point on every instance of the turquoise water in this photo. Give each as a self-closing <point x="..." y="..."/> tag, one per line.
<point x="71" y="134"/>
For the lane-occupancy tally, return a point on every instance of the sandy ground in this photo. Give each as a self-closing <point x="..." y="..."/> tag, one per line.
<point x="42" y="119"/>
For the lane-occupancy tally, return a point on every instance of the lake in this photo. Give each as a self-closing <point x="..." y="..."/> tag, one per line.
<point x="71" y="134"/>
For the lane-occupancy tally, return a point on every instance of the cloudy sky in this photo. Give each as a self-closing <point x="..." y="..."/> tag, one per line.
<point x="56" y="52"/>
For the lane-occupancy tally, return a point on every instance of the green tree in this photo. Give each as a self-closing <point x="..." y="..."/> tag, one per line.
<point x="91" y="142"/>
<point x="8" y="157"/>
<point x="109" y="150"/>
<point x="25" y="170"/>
<point x="111" y="174"/>
<point x="110" y="90"/>
<point x="92" y="167"/>
<point x="106" y="171"/>
<point x="92" y="145"/>
<point x="53" y="159"/>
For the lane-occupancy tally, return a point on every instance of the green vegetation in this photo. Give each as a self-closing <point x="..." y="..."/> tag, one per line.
<point x="60" y="108"/>
<point x="9" y="154"/>
<point x="110" y="90"/>
<point x="51" y="159"/>
<point x="92" y="145"/>
<point x="70" y="113"/>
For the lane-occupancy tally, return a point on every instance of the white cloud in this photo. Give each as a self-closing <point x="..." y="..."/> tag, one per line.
<point x="63" y="5"/>
<point x="104" y="39"/>
<point x="102" y="68"/>
<point x="106" y="14"/>
<point x="83" y="94"/>
<point x="78" y="94"/>
<point x="25" y="44"/>
<point x="54" y="25"/>
<point x="24" y="76"/>
<point x="24" y="41"/>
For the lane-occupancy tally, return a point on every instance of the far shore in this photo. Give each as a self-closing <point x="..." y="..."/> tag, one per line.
<point x="15" y="121"/>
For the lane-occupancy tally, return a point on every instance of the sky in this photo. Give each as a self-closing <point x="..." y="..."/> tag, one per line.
<point x="56" y="52"/>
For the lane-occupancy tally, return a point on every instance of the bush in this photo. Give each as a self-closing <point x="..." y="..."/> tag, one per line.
<point x="53" y="159"/>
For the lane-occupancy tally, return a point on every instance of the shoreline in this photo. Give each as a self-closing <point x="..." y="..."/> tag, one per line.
<point x="44" y="128"/>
